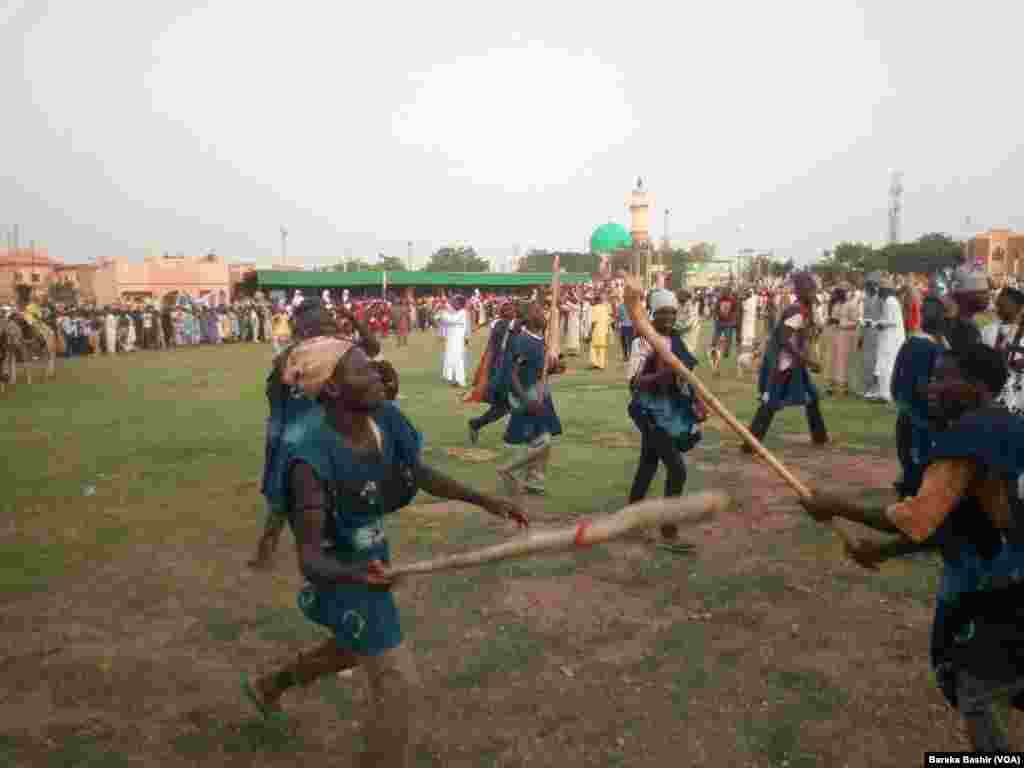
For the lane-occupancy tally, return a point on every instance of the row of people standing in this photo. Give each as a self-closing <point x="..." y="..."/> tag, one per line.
<point x="112" y="330"/>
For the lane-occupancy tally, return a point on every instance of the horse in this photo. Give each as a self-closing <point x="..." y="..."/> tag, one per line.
<point x="24" y="340"/>
<point x="12" y="345"/>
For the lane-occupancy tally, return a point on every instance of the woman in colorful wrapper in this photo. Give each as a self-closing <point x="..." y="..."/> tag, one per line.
<point x="348" y="466"/>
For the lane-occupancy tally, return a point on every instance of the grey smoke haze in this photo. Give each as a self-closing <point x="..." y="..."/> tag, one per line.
<point x="132" y="127"/>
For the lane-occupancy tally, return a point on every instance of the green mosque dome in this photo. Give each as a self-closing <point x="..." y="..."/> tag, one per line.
<point x="610" y="237"/>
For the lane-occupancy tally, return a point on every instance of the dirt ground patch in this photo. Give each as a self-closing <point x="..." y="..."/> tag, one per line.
<point x="763" y="648"/>
<point x="616" y="440"/>
<point x="475" y="455"/>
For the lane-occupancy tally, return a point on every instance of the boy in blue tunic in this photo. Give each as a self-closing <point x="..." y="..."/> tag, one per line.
<point x="912" y="373"/>
<point x="785" y="378"/>
<point x="347" y="467"/>
<point x="288" y="406"/>
<point x="534" y="421"/>
<point x="968" y="506"/>
<point x="504" y="330"/>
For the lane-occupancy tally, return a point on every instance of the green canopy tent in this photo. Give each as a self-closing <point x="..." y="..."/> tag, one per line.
<point x="272" y="279"/>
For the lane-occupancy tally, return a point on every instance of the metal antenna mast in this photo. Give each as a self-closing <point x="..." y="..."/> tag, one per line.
<point x="895" y="206"/>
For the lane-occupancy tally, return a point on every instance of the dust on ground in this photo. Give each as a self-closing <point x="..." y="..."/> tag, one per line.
<point x="765" y="648"/>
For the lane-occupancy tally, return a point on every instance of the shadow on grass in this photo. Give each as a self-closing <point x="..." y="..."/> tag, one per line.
<point x="82" y="752"/>
<point x="338" y="693"/>
<point x="717" y="592"/>
<point x="806" y="696"/>
<point x="28" y="567"/>
<point x="215" y="737"/>
<point x="287" y="624"/>
<point x="512" y="646"/>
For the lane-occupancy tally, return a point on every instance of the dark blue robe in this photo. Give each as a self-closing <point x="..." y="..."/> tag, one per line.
<point x="781" y="389"/>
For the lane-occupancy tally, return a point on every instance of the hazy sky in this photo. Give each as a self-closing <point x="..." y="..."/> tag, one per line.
<point x="182" y="126"/>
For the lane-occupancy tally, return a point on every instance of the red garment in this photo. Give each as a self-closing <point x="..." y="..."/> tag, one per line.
<point x="727" y="311"/>
<point x="913" y="322"/>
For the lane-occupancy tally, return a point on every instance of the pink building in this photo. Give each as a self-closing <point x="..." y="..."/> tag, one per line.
<point x="31" y="273"/>
<point x="161" y="278"/>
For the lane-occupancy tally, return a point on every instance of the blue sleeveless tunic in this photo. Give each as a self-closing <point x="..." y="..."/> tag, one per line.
<point x="360" y="492"/>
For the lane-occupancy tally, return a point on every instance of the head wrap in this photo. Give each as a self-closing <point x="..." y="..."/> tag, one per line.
<point x="662" y="299"/>
<point x="312" y="363"/>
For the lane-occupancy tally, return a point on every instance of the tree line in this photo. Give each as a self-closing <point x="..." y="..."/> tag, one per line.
<point x="926" y="254"/>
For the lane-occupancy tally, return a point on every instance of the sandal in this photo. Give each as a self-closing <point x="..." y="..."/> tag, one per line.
<point x="269" y="713"/>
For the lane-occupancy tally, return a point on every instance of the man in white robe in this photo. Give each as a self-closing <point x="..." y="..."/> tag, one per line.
<point x="890" y="333"/>
<point x="110" y="332"/>
<point x="454" y="325"/>
<point x="869" y="340"/>
<point x="748" y="315"/>
<point x="572" y="328"/>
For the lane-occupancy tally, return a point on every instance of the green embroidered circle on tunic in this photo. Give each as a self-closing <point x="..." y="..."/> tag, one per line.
<point x="354" y="623"/>
<point x="967" y="633"/>
<point x="307" y="600"/>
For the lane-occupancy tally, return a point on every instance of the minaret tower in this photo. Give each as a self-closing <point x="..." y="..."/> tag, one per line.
<point x="640" y="226"/>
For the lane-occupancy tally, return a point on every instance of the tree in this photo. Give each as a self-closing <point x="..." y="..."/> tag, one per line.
<point x="852" y="257"/>
<point x="456" y="258"/>
<point x="703" y="252"/>
<point x="353" y="265"/>
<point x="538" y="260"/>
<point x="390" y="264"/>
<point x="248" y="285"/>
<point x="780" y="268"/>
<point x="926" y="254"/>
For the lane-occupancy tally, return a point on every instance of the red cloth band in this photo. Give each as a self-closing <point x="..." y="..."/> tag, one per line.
<point x="580" y="530"/>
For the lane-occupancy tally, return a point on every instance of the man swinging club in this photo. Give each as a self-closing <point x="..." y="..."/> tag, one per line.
<point x="969" y="506"/>
<point x="347" y="467"/>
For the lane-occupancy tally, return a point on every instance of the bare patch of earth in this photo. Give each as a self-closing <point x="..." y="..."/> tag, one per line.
<point x="764" y="649"/>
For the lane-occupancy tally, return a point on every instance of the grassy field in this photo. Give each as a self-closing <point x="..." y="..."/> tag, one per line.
<point x="130" y="505"/>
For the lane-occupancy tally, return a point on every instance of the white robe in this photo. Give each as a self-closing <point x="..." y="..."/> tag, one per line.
<point x="749" y="330"/>
<point x="454" y="325"/>
<point x="890" y="339"/>
<point x="110" y="331"/>
<point x="572" y="329"/>
<point x="1012" y="395"/>
<point x="872" y="311"/>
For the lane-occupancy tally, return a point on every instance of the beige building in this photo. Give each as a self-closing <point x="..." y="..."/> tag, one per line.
<point x="1000" y="251"/>
<point x="26" y="272"/>
<point x="111" y="280"/>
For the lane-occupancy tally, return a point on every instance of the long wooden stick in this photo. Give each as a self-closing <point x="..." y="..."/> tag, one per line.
<point x="680" y="510"/>
<point x="662" y="347"/>
<point x="554" y="331"/>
